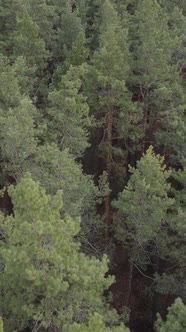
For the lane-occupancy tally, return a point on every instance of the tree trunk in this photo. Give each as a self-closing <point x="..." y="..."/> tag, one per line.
<point x="166" y="304"/>
<point x="156" y="263"/>
<point x="144" y="130"/>
<point x="108" y="143"/>
<point x="129" y="284"/>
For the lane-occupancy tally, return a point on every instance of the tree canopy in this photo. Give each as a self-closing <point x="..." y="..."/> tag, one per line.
<point x="92" y="165"/>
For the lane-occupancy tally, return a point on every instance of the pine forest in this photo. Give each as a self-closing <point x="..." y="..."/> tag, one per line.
<point x="92" y="165"/>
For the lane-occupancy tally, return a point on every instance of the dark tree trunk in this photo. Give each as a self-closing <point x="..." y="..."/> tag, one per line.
<point x="108" y="160"/>
<point x="129" y="285"/>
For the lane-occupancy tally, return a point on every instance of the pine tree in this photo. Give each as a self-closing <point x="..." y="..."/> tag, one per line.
<point x="78" y="53"/>
<point x="142" y="208"/>
<point x="27" y="42"/>
<point x="27" y="143"/>
<point x="176" y="318"/>
<point x="170" y="281"/>
<point x="44" y="272"/>
<point x="156" y="47"/>
<point x="171" y="4"/>
<point x="43" y="14"/>
<point x="17" y="114"/>
<point x="18" y="142"/>
<point x="7" y="25"/>
<point x="95" y="324"/>
<point x="108" y="97"/>
<point x="67" y="25"/>
<point x="10" y="93"/>
<point x="69" y="118"/>
<point x="90" y="13"/>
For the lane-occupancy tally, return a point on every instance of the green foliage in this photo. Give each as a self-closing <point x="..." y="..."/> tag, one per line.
<point x="172" y="243"/>
<point x="172" y="4"/>
<point x="95" y="324"/>
<point x="57" y="170"/>
<point x="25" y="24"/>
<point x="180" y="177"/>
<point x="176" y="318"/>
<point x="44" y="16"/>
<point x="10" y="92"/>
<point x="110" y="60"/>
<point x="24" y="138"/>
<point x="1" y="325"/>
<point x="17" y="114"/>
<point x="78" y="53"/>
<point x="67" y="25"/>
<point x="108" y="96"/>
<point x="44" y="272"/>
<point x="17" y="80"/>
<point x="143" y="206"/>
<point x="110" y="65"/>
<point x="90" y="13"/>
<point x="172" y="282"/>
<point x="27" y="42"/>
<point x="18" y="141"/>
<point x="7" y="25"/>
<point x="152" y="48"/>
<point x="69" y="112"/>
<point x="157" y="47"/>
<point x="86" y="87"/>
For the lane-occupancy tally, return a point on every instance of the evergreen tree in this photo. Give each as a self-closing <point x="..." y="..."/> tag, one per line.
<point x="67" y="26"/>
<point x="95" y="324"/>
<point x="170" y="281"/>
<point x="57" y="170"/>
<point x="176" y="318"/>
<point x="86" y="87"/>
<point x="155" y="80"/>
<point x="90" y="13"/>
<point x="78" y="53"/>
<point x="10" y="93"/>
<point x="18" y="142"/>
<point x="43" y="14"/>
<point x="180" y="194"/>
<point x="142" y="208"/>
<point x="17" y="115"/>
<point x="27" y="42"/>
<point x="27" y="144"/>
<point x="46" y="281"/>
<point x="108" y="97"/>
<point x="171" y="4"/>
<point x="69" y="113"/>
<point x="7" y="25"/>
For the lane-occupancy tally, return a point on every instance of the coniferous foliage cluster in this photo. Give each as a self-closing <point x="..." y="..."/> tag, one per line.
<point x="92" y="165"/>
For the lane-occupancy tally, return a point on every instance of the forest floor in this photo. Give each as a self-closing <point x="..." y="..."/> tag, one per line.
<point x="140" y="300"/>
